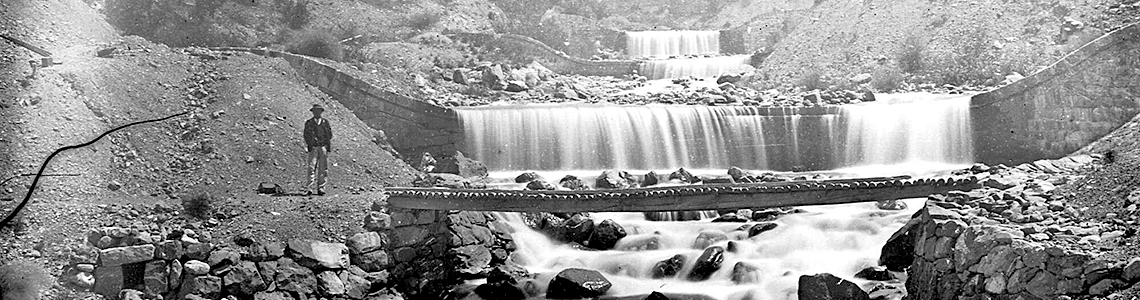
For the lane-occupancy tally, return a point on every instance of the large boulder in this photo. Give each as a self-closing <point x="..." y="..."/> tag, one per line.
<point x="898" y="252"/>
<point x="825" y="286"/>
<point x="243" y="279"/>
<point x="606" y="234"/>
<point x="461" y="165"/>
<point x="330" y="284"/>
<point x="668" y="267"/>
<point x="614" y="179"/>
<point x="575" y="283"/>
<point x="577" y="229"/>
<point x="707" y="264"/>
<point x="294" y="278"/>
<point x="319" y="255"/>
<point x="494" y="77"/>
<point x="126" y="255"/>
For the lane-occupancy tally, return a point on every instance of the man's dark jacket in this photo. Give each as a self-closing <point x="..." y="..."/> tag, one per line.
<point x="318" y="135"/>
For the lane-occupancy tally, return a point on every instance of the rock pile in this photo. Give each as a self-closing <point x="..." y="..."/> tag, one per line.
<point x="1015" y="237"/>
<point x="121" y="263"/>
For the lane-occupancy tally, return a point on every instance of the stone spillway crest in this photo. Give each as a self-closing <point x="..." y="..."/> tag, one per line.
<point x="685" y="197"/>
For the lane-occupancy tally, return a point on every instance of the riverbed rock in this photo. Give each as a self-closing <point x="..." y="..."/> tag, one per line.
<point x="571" y="182"/>
<point x="708" y="237"/>
<point x="606" y="234"/>
<point x="575" y="283"/>
<point x="668" y="267"/>
<point x="825" y="286"/>
<point x="731" y="217"/>
<point x="761" y="227"/>
<point x="578" y="229"/>
<point x="737" y="173"/>
<point x="707" y="264"/>
<point x="540" y="185"/>
<point x="499" y="291"/>
<point x="745" y="273"/>
<point x="876" y="273"/>
<point x="683" y="175"/>
<point x="614" y="179"/>
<point x="526" y="177"/>
<point x="318" y="255"/>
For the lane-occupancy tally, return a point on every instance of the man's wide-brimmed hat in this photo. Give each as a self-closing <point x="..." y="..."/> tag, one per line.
<point x="317" y="107"/>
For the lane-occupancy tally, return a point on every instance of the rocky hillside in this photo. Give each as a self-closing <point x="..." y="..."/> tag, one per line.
<point x="246" y="114"/>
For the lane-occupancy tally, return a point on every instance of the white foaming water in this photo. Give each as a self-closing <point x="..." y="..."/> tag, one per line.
<point x="696" y="67"/>
<point x="900" y="128"/>
<point x="664" y="44"/>
<point x="836" y="239"/>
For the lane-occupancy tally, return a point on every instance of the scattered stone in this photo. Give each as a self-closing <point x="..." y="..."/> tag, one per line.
<point x="613" y="179"/>
<point x="330" y="284"/>
<point x="295" y="278"/>
<point x="526" y="177"/>
<point x="891" y="205"/>
<point x="650" y="179"/>
<point x="571" y="182"/>
<point x="874" y="273"/>
<point x="575" y="283"/>
<point x="1131" y="272"/>
<point x="683" y="175"/>
<point x="540" y="185"/>
<point x="168" y="250"/>
<point x="376" y="221"/>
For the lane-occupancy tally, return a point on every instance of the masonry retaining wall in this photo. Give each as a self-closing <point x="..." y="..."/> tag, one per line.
<point x="1064" y="107"/>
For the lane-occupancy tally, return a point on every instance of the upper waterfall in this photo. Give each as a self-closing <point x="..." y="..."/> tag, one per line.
<point x="664" y="44"/>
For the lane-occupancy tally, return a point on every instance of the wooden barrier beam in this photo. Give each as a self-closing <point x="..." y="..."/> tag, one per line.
<point x="674" y="198"/>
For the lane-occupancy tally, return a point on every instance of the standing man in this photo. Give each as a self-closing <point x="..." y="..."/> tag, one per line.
<point x="318" y="135"/>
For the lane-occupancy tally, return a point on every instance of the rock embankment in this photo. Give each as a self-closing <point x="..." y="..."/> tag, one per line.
<point x="1014" y="237"/>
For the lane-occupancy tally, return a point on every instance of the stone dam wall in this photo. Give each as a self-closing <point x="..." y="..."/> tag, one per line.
<point x="1060" y="109"/>
<point x="412" y="126"/>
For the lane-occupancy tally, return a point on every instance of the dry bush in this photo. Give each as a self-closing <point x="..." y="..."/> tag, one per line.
<point x="22" y="279"/>
<point x="200" y="201"/>
<point x="296" y="14"/>
<point x="318" y="43"/>
<point x="422" y="18"/>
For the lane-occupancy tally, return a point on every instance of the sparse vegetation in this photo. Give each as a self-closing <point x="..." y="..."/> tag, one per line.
<point x="887" y="78"/>
<point x="296" y="14"/>
<point x="318" y="43"/>
<point x="911" y="58"/>
<point x="422" y="18"/>
<point x="22" y="279"/>
<point x="812" y="80"/>
<point x="199" y="201"/>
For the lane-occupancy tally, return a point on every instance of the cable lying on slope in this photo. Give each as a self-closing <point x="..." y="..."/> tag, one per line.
<point x="43" y="166"/>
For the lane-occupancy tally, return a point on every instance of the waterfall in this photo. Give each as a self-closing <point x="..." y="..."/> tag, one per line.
<point x="901" y="128"/>
<point x="666" y="51"/>
<point x="664" y="44"/>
